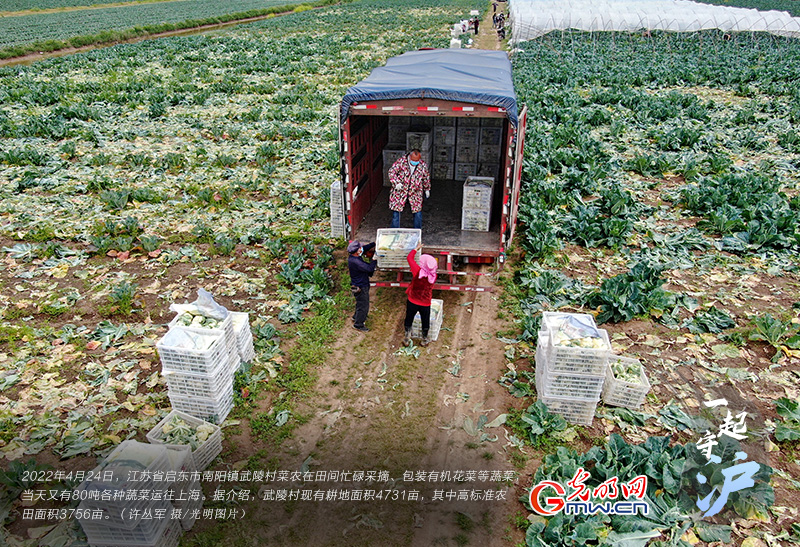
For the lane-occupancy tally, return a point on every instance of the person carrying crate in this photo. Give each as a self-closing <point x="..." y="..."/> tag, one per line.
<point x="360" y="272"/>
<point x="419" y="294"/>
<point x="410" y="178"/>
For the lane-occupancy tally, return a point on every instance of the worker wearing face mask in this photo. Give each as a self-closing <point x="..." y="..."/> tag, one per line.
<point x="410" y="180"/>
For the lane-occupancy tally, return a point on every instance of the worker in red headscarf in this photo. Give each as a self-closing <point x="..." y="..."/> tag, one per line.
<point x="419" y="294"/>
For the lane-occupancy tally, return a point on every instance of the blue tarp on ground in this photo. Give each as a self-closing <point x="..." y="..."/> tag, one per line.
<point x="464" y="75"/>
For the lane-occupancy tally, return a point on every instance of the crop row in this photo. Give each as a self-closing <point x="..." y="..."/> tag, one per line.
<point x="762" y="5"/>
<point x="40" y="27"/>
<point x="25" y="5"/>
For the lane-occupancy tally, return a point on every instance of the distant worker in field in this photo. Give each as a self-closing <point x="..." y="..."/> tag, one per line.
<point x="360" y="272"/>
<point x="477" y="22"/>
<point x="410" y="179"/>
<point x="420" y="292"/>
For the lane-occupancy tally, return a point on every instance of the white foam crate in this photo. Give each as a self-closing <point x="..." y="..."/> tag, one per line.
<point x="579" y="360"/>
<point x="112" y="475"/>
<point x="244" y="336"/>
<point x="179" y="356"/>
<point x="201" y="456"/>
<point x="626" y="394"/>
<point x="475" y="220"/>
<point x="169" y="537"/>
<point x="437" y="316"/>
<point x="224" y="329"/>
<point x="213" y="410"/>
<point x="574" y="411"/>
<point x="147" y="532"/>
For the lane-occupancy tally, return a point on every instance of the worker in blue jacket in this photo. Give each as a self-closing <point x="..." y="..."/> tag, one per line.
<point x="360" y="272"/>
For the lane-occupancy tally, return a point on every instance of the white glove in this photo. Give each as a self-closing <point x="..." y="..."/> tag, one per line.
<point x="427" y="194"/>
<point x="398" y="186"/>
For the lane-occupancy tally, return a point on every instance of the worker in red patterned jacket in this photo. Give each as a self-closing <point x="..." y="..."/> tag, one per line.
<point x="419" y="294"/>
<point x="410" y="178"/>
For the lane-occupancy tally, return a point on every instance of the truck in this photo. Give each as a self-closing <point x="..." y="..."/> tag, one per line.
<point x="459" y="108"/>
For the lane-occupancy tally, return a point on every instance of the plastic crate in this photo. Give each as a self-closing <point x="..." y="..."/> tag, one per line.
<point x="206" y="386"/>
<point x="573" y="410"/>
<point x="421" y="140"/>
<point x="477" y="193"/>
<point x="169" y="537"/>
<point x="491" y="122"/>
<point x="559" y="385"/>
<point x="147" y="532"/>
<point x="577" y="360"/>
<point x="437" y="316"/>
<point x="551" y="320"/>
<point x="394" y="244"/>
<point x="489" y="153"/>
<point x="205" y="453"/>
<point x="491" y="136"/>
<point x="114" y="475"/>
<point x="442" y="171"/>
<point x="475" y="220"/>
<point x="488" y="170"/>
<point x="444" y="135"/>
<point x="620" y="393"/>
<point x="179" y="353"/>
<point x="211" y="410"/>
<point x="464" y="170"/>
<point x="225" y="329"/>
<point x="244" y="336"/>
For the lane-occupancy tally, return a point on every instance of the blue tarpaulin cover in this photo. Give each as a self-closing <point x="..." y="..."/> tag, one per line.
<point x="464" y="75"/>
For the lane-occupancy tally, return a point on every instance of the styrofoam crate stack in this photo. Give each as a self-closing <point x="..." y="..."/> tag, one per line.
<point x="437" y="316"/>
<point x="244" y="336"/>
<point x="123" y="470"/>
<point x="337" y="210"/>
<point x="392" y="246"/>
<point x="204" y="453"/>
<point x="619" y="392"/>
